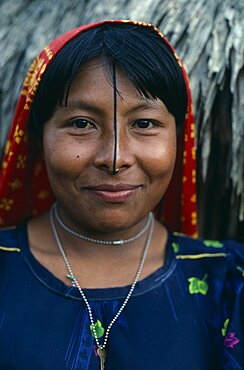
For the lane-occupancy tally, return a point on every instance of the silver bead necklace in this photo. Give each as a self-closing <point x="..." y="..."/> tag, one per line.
<point x="101" y="351"/>
<point x="98" y="241"/>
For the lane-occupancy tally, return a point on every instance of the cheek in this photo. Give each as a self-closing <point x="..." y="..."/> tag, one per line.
<point x="159" y="160"/>
<point x="64" y="157"/>
<point x="159" y="167"/>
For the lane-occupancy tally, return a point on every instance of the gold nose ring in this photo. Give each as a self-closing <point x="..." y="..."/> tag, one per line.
<point x="113" y="172"/>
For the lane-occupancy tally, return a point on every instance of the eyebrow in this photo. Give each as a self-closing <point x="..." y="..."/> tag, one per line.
<point x="143" y="104"/>
<point x="147" y="105"/>
<point x="79" y="104"/>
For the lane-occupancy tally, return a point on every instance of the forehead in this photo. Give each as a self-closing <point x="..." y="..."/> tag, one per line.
<point x="96" y="78"/>
<point x="94" y="84"/>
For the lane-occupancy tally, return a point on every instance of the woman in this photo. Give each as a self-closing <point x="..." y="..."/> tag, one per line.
<point x="89" y="279"/>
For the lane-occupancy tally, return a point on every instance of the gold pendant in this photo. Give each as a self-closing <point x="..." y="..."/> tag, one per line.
<point x="102" y="356"/>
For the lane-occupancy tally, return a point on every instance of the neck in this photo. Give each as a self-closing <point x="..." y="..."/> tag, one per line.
<point x="64" y="254"/>
<point x="114" y="237"/>
<point x="93" y="252"/>
<point x="97" y="266"/>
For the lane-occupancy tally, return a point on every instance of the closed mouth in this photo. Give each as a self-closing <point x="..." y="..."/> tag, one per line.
<point x="117" y="193"/>
<point x="112" y="187"/>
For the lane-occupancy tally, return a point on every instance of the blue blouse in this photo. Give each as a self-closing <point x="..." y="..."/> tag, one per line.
<point x="189" y="314"/>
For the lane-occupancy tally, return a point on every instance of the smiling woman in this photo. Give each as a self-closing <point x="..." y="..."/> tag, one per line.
<point x="102" y="142"/>
<point x="84" y="127"/>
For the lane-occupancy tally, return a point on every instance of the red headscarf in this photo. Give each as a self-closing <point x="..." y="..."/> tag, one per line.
<point x="24" y="186"/>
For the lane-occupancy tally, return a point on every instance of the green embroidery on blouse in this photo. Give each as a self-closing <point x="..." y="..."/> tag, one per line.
<point x="198" y="286"/>
<point x="213" y="243"/>
<point x="239" y="268"/>
<point x="175" y="247"/>
<point x="225" y="327"/>
<point x="98" y="329"/>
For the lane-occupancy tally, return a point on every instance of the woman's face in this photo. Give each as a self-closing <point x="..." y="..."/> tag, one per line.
<point x="78" y="143"/>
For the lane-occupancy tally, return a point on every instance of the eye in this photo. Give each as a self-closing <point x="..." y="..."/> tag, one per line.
<point x="82" y="123"/>
<point x="144" y="124"/>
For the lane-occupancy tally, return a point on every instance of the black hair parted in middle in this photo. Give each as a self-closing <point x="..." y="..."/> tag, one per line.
<point x="138" y="50"/>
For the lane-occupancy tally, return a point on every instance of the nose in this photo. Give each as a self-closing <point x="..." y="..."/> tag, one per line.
<point x="115" y="154"/>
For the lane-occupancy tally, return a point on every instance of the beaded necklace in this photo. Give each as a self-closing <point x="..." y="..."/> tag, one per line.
<point x="101" y="350"/>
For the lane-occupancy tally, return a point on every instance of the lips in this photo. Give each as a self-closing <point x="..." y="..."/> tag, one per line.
<point x="114" y="193"/>
<point x="113" y="187"/>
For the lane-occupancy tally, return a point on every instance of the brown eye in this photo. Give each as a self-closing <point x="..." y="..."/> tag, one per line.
<point x="82" y="123"/>
<point x="144" y="124"/>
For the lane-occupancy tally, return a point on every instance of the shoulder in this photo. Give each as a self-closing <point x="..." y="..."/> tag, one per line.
<point x="191" y="248"/>
<point x="205" y="260"/>
<point x="9" y="240"/>
<point x="216" y="263"/>
<point x="213" y="272"/>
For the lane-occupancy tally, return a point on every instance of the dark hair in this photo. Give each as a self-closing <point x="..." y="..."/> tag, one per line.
<point x="139" y="51"/>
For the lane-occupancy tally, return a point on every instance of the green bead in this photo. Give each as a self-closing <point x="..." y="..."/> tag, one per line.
<point x="71" y="277"/>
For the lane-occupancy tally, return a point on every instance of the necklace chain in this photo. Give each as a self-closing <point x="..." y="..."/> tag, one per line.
<point x="98" y="241"/>
<point x="76" y="284"/>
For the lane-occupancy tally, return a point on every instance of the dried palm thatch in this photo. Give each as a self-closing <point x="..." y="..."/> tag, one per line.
<point x="207" y="34"/>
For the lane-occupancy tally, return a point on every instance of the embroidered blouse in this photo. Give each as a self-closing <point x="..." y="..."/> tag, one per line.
<point x="189" y="314"/>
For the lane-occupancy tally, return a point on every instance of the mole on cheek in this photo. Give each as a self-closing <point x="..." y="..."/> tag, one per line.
<point x="77" y="156"/>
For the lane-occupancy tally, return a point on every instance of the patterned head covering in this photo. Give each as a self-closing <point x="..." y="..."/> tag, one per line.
<point x="24" y="186"/>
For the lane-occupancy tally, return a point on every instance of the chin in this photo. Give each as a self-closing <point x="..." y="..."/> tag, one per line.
<point x="112" y="220"/>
